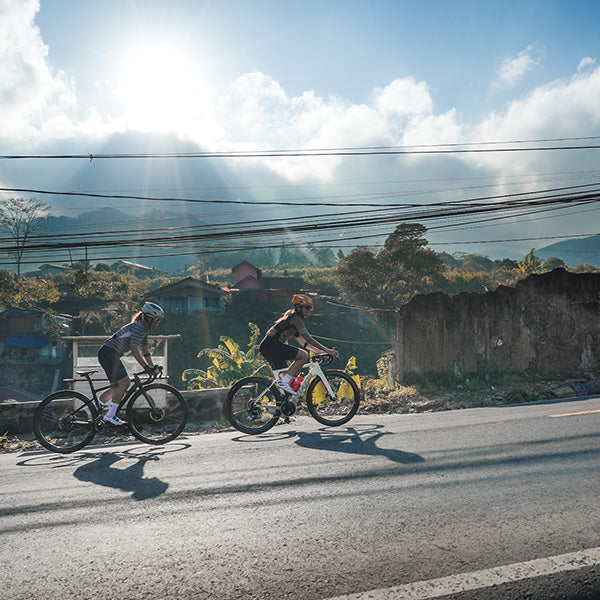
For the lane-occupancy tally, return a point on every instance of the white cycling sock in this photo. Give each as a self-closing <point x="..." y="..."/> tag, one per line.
<point x="286" y="378"/>
<point x="112" y="410"/>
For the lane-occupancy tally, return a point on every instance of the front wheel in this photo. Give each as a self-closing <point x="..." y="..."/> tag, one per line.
<point x="337" y="409"/>
<point x="157" y="413"/>
<point x="251" y="405"/>
<point x="65" y="421"/>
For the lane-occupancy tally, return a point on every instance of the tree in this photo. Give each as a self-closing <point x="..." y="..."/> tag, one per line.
<point x="322" y="257"/>
<point x="229" y="363"/>
<point x="553" y="263"/>
<point x="26" y="292"/>
<point x="530" y="264"/>
<point x="404" y="267"/>
<point x="20" y="217"/>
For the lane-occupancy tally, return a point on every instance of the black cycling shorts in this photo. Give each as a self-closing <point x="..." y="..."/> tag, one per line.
<point x="277" y="353"/>
<point x="110" y="360"/>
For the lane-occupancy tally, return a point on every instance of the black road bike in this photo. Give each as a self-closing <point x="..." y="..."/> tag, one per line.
<point x="67" y="420"/>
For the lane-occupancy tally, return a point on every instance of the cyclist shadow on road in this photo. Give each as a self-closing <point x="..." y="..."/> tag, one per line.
<point x="102" y="471"/>
<point x="355" y="440"/>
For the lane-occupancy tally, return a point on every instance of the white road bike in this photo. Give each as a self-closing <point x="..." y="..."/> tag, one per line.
<point x="254" y="404"/>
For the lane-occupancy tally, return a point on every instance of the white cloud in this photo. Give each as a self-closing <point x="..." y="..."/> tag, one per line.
<point x="513" y="69"/>
<point x="403" y="98"/>
<point x="33" y="97"/>
<point x="257" y="113"/>
<point x="558" y="109"/>
<point x="39" y="104"/>
<point x="586" y="63"/>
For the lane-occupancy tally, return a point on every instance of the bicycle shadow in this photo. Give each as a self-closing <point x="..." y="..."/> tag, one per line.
<point x="355" y="440"/>
<point x="102" y="468"/>
<point x="102" y="471"/>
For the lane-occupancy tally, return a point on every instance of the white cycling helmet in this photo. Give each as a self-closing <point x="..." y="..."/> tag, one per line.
<point x="153" y="310"/>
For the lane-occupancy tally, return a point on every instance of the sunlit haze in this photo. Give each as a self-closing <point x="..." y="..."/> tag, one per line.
<point x="498" y="79"/>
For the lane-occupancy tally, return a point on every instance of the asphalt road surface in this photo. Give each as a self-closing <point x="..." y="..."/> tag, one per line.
<point x="478" y="504"/>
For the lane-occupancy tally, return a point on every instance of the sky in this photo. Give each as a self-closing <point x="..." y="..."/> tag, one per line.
<point x="80" y="76"/>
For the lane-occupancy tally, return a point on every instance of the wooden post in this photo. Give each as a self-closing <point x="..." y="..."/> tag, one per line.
<point x="398" y="367"/>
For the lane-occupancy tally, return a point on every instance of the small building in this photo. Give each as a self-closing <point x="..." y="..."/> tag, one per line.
<point x="249" y="279"/>
<point x="246" y="276"/>
<point x="25" y="336"/>
<point x="47" y="269"/>
<point x="125" y="267"/>
<point x="189" y="295"/>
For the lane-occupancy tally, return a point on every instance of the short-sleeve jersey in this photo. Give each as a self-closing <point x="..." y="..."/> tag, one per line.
<point x="132" y="334"/>
<point x="286" y="328"/>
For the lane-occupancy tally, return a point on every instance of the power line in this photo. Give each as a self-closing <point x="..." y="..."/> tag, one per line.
<point x="456" y="148"/>
<point x="318" y="202"/>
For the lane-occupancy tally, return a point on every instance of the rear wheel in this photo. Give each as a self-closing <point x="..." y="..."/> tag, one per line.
<point x="251" y="405"/>
<point x="337" y="409"/>
<point x="64" y="421"/>
<point x="156" y="414"/>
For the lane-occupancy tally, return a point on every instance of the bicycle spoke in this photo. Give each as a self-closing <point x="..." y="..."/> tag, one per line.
<point x="158" y="414"/>
<point x="337" y="408"/>
<point x="64" y="422"/>
<point x="251" y="405"/>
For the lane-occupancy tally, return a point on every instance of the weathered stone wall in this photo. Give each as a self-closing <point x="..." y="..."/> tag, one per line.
<point x="547" y="324"/>
<point x="38" y="379"/>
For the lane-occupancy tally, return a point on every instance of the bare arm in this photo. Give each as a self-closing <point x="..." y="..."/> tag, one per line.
<point x="307" y="341"/>
<point x="142" y="355"/>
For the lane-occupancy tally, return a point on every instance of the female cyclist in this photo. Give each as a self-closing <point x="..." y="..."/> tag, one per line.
<point x="274" y="346"/>
<point x="131" y="337"/>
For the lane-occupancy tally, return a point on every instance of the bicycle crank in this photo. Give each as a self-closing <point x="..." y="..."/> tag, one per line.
<point x="287" y="408"/>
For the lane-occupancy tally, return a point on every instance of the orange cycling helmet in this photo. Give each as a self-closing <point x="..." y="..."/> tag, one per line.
<point x="302" y="300"/>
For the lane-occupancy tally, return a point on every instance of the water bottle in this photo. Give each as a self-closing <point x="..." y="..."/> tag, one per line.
<point x="297" y="382"/>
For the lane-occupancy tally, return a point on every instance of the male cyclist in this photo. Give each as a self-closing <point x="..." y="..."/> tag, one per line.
<point x="278" y="352"/>
<point x="131" y="337"/>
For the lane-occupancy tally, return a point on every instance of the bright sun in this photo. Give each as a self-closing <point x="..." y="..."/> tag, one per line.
<point x="159" y="89"/>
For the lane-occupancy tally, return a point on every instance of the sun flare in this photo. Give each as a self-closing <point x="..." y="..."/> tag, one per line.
<point x="159" y="88"/>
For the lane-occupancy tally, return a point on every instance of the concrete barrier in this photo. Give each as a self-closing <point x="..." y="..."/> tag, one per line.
<point x="205" y="408"/>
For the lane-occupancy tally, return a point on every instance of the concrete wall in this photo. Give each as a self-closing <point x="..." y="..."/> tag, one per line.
<point x="205" y="409"/>
<point x="547" y="324"/>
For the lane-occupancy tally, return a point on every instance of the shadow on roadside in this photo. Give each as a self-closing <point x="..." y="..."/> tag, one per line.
<point x="360" y="439"/>
<point x="355" y="440"/>
<point x="103" y="468"/>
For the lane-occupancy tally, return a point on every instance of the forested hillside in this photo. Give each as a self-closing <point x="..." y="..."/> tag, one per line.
<point x="373" y="284"/>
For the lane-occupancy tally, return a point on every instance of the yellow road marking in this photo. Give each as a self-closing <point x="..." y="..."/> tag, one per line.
<point x="573" y="414"/>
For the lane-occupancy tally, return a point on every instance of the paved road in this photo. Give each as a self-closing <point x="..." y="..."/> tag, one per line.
<point x="401" y="504"/>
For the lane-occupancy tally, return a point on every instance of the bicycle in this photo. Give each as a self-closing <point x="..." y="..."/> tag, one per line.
<point x="67" y="420"/>
<point x="254" y="404"/>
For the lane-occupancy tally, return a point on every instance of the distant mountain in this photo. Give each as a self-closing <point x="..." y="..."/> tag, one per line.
<point x="574" y="252"/>
<point x="171" y="193"/>
<point x="111" y="224"/>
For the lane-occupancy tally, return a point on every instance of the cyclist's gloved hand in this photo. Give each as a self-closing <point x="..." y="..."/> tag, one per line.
<point x="150" y="370"/>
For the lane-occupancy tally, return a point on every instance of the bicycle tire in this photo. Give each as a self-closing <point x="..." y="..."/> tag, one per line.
<point x="156" y="414"/>
<point x="333" y="411"/>
<point x="65" y="421"/>
<point x="247" y="415"/>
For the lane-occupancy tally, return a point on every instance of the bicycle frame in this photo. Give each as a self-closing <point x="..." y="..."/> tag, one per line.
<point x="136" y="384"/>
<point x="314" y="370"/>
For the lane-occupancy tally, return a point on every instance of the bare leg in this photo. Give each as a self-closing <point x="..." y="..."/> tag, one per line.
<point x="106" y="395"/>
<point x="298" y="363"/>
<point x="118" y="391"/>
